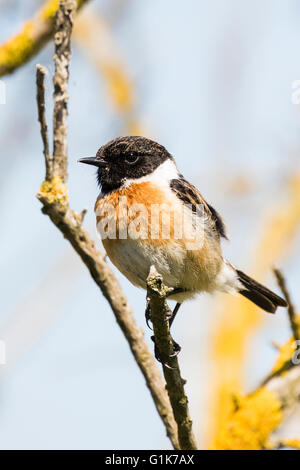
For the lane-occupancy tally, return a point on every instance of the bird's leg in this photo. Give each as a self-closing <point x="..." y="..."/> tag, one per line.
<point x="176" y="346"/>
<point x="168" y="316"/>
<point x="158" y="357"/>
<point x="148" y="313"/>
<point x="174" y="313"/>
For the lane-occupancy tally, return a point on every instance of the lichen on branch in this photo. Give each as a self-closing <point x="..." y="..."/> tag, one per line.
<point x="251" y="422"/>
<point x="53" y="195"/>
<point x="54" y="191"/>
<point x="31" y="39"/>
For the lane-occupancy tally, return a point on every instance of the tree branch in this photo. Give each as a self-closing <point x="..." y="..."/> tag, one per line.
<point x="62" y="41"/>
<point x="54" y="197"/>
<point x="40" y="75"/>
<point x="291" y="310"/>
<point x="31" y="39"/>
<point x="287" y="363"/>
<point x="253" y="419"/>
<point x="175" y="384"/>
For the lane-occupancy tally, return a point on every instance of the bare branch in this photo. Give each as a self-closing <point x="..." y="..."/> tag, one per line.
<point x="69" y="224"/>
<point x="41" y="72"/>
<point x="291" y="310"/>
<point x="62" y="41"/>
<point x="294" y="322"/>
<point x="82" y="215"/>
<point x="287" y="365"/>
<point x="175" y="384"/>
<point x="54" y="197"/>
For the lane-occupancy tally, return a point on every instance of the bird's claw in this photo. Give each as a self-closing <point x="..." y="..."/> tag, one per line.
<point x="177" y="349"/>
<point x="167" y="317"/>
<point x="148" y="314"/>
<point x="158" y="357"/>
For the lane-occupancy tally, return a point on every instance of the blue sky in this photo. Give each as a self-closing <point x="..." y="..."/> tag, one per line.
<point x="213" y="82"/>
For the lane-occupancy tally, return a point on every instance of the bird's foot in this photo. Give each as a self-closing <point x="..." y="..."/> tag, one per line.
<point x="167" y="317"/>
<point x="148" y="314"/>
<point x="158" y="355"/>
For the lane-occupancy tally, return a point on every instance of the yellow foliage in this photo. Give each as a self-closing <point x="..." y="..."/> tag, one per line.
<point x="54" y="190"/>
<point x="286" y="351"/>
<point x="239" y="318"/>
<point x="295" y="443"/>
<point x="134" y="127"/>
<point x="14" y="52"/>
<point x="119" y="87"/>
<point x="88" y="29"/>
<point x="250" y="422"/>
<point x="18" y="50"/>
<point x="49" y="9"/>
<point x="92" y="33"/>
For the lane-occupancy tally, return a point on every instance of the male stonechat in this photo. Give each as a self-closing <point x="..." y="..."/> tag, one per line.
<point x="149" y="214"/>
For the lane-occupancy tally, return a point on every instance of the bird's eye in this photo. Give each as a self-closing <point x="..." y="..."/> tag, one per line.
<point x="131" y="158"/>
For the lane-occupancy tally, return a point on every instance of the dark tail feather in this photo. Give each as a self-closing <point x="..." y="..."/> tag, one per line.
<point x="259" y="294"/>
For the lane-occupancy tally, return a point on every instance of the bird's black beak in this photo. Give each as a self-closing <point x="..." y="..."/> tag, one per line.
<point x="96" y="161"/>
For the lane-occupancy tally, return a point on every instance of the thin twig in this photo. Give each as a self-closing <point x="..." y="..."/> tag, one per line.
<point x="175" y="384"/>
<point x="62" y="41"/>
<point x="70" y="225"/>
<point x="291" y="310"/>
<point x="53" y="196"/>
<point x="41" y="72"/>
<point x="289" y="363"/>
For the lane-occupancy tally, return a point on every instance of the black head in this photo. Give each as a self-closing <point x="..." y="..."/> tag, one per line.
<point x="126" y="158"/>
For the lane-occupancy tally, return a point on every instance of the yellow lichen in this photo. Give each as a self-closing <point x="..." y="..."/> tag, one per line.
<point x="286" y="351"/>
<point x="134" y="128"/>
<point x="54" y="190"/>
<point x="239" y="318"/>
<point x="18" y="50"/>
<point x="251" y="422"/>
<point x="49" y="9"/>
<point x="106" y="56"/>
<point x="295" y="443"/>
<point x="119" y="86"/>
<point x="15" y="52"/>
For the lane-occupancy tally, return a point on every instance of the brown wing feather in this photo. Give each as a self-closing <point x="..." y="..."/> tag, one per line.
<point x="190" y="195"/>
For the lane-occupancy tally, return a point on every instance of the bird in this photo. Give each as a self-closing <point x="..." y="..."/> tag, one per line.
<point x="138" y="177"/>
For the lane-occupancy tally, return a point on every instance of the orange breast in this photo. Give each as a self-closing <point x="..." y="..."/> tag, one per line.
<point x="142" y="208"/>
<point x="143" y="193"/>
<point x="191" y="267"/>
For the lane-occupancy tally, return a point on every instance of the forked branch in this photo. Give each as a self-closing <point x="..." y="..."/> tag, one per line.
<point x="53" y="195"/>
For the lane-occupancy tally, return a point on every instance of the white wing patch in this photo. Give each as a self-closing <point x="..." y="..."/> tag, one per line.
<point x="227" y="279"/>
